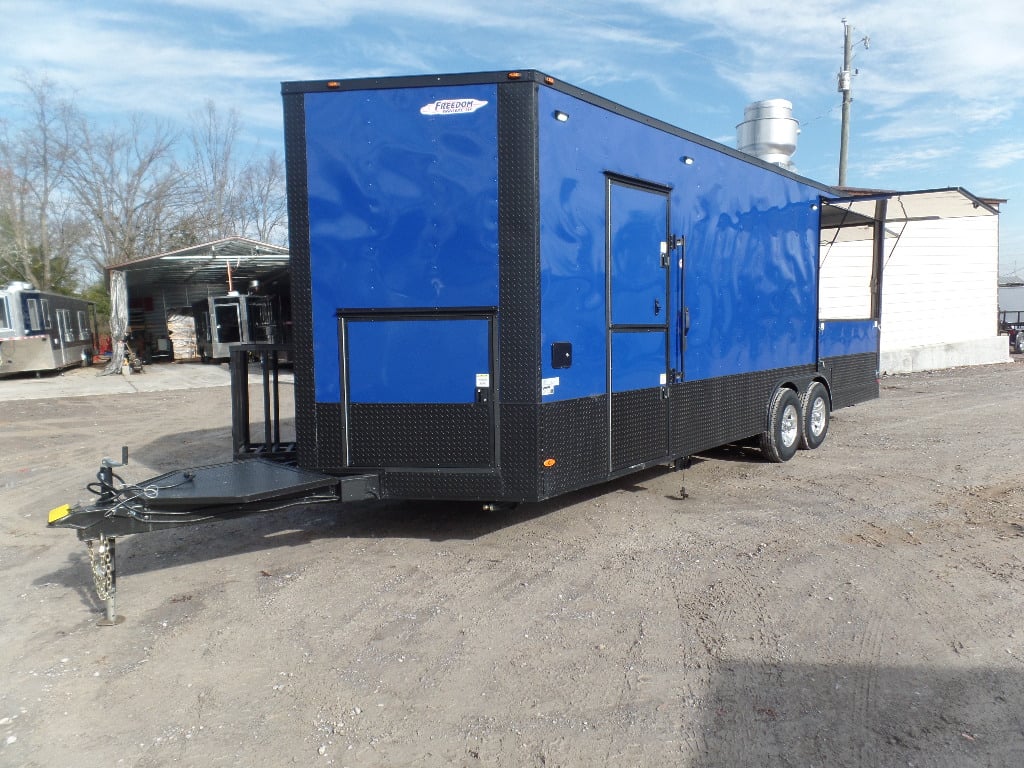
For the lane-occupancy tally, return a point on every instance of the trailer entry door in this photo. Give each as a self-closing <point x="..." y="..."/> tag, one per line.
<point x="64" y="333"/>
<point x="637" y="312"/>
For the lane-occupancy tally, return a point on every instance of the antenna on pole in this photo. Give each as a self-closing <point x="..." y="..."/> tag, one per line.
<point x="846" y="88"/>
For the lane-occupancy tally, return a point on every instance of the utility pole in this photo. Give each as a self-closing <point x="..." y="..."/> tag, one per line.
<point x="846" y="88"/>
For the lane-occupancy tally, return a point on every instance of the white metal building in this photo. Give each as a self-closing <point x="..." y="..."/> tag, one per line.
<point x="939" y="278"/>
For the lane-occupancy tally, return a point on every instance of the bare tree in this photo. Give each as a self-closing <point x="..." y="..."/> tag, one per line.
<point x="264" y="208"/>
<point x="231" y="197"/>
<point x="37" y="226"/>
<point x="213" y="172"/>
<point x="127" y="186"/>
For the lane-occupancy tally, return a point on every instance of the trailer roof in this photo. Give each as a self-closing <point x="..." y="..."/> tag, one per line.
<point x="951" y="202"/>
<point x="540" y="79"/>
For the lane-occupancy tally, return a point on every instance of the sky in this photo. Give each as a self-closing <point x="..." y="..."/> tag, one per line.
<point x="938" y="94"/>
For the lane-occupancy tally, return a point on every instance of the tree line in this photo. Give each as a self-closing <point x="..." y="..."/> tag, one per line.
<point x="77" y="196"/>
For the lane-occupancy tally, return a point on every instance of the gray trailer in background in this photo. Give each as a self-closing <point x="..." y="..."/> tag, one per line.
<point x="41" y="331"/>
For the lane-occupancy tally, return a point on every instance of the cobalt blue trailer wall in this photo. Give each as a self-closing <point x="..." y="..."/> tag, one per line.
<point x="750" y="244"/>
<point x="403" y="213"/>
<point x="506" y="289"/>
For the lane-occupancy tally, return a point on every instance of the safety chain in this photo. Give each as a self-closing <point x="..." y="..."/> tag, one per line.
<point x="102" y="569"/>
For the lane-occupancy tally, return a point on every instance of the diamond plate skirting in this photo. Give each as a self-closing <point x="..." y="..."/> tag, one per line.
<point x="575" y="434"/>
<point x="854" y="379"/>
<point x="419" y="435"/>
<point x="713" y="412"/>
<point x="639" y="429"/>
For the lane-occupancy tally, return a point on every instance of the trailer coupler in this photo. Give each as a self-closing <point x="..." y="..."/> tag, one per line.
<point x="190" y="496"/>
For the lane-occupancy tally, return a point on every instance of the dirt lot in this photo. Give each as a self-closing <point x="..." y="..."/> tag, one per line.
<point x="860" y="605"/>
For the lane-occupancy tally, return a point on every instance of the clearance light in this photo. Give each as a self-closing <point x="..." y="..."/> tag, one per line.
<point x="333" y="84"/>
<point x="549" y="463"/>
<point x="549" y="80"/>
<point x="514" y="75"/>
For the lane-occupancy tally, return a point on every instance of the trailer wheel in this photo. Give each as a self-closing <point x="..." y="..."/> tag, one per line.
<point x="781" y="436"/>
<point x="817" y="409"/>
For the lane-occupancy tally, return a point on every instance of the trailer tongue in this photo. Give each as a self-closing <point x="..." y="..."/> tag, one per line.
<point x="190" y="496"/>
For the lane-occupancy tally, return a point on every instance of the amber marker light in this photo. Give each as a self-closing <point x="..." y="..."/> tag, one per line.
<point x="514" y="75"/>
<point x="549" y="80"/>
<point x="549" y="463"/>
<point x="333" y="84"/>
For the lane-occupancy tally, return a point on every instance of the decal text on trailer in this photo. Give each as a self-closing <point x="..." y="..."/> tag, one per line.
<point x="452" y="107"/>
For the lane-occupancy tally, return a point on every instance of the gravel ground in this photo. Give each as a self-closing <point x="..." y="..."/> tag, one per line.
<point x="858" y="606"/>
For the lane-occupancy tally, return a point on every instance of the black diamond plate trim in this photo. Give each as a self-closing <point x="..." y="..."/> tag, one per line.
<point x="519" y="359"/>
<point x="451" y="486"/>
<point x="854" y="379"/>
<point x="330" y="448"/>
<point x="639" y="427"/>
<point x="419" y="435"/>
<point x="575" y="434"/>
<point x="519" y="243"/>
<point x="519" y="461"/>
<point x="306" y="432"/>
<point x="713" y="412"/>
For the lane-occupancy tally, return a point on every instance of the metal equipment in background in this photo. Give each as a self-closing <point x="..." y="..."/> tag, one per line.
<point x="223" y="321"/>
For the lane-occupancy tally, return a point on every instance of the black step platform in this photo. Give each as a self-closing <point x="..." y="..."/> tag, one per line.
<point x="232" y="483"/>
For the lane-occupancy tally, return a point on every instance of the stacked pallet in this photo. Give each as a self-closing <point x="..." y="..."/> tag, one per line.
<point x="181" y="326"/>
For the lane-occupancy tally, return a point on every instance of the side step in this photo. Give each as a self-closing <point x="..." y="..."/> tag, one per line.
<point x="233" y="483"/>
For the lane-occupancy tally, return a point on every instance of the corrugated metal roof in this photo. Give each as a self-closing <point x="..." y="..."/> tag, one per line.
<point x="209" y="263"/>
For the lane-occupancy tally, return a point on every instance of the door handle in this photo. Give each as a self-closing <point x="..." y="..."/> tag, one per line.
<point x="657" y="307"/>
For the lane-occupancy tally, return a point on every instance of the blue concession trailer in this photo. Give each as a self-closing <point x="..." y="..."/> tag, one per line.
<point x="506" y="288"/>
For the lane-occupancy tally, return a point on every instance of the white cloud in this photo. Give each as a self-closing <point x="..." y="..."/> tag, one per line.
<point x="1001" y="155"/>
<point x="884" y="165"/>
<point x="929" y="73"/>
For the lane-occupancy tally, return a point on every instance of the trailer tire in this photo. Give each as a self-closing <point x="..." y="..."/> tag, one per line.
<point x="817" y="412"/>
<point x="781" y="437"/>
